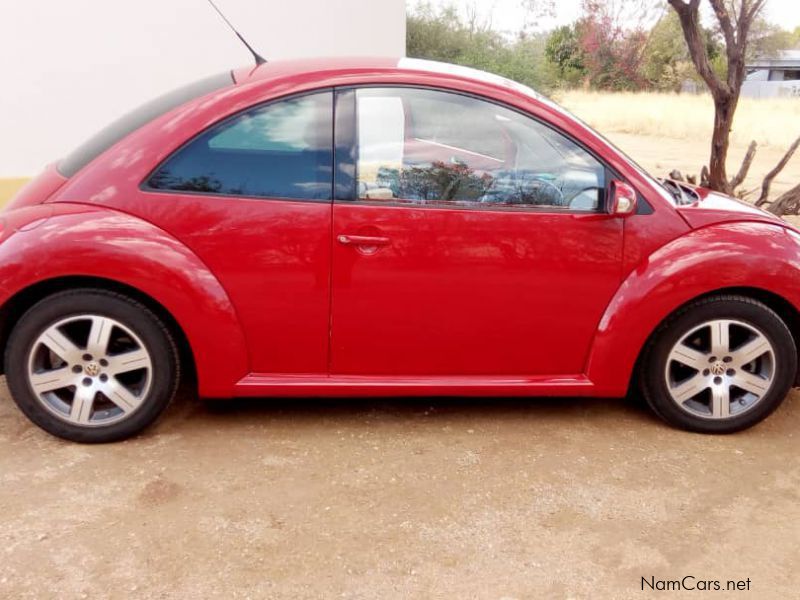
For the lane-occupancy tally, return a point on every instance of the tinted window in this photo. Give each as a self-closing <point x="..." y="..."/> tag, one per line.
<point x="279" y="150"/>
<point x="113" y="133"/>
<point x="432" y="147"/>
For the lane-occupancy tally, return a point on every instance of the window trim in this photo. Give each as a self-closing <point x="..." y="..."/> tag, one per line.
<point x="345" y="144"/>
<point x="601" y="210"/>
<point x="146" y="188"/>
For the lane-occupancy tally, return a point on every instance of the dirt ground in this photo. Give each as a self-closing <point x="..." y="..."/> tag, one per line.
<point x="456" y="498"/>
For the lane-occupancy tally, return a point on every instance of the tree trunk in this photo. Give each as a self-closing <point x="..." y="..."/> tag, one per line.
<point x="724" y="109"/>
<point x="735" y="18"/>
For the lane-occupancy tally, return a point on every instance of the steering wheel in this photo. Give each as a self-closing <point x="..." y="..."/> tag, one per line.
<point x="559" y="193"/>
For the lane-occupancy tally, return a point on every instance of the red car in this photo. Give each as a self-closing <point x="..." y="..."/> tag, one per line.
<point x="383" y="227"/>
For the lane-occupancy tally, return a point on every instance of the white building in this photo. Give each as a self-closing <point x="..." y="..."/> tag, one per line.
<point x="772" y="77"/>
<point x="69" y="68"/>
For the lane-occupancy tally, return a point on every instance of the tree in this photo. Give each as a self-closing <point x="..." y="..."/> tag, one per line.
<point x="667" y="64"/>
<point x="768" y="40"/>
<point x="735" y="19"/>
<point x="445" y="34"/>
<point x="563" y="50"/>
<point x="602" y="49"/>
<point x="612" y="37"/>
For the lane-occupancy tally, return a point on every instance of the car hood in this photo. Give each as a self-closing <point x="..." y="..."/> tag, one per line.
<point x="711" y="207"/>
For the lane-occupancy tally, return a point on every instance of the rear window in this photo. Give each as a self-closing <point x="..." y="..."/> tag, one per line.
<point x="117" y="130"/>
<point x="283" y="149"/>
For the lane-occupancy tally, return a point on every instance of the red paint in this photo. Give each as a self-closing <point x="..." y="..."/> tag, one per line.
<point x="472" y="292"/>
<point x="66" y="240"/>
<point x="412" y="300"/>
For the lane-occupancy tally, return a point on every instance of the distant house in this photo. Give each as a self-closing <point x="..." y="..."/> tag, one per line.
<point x="771" y="77"/>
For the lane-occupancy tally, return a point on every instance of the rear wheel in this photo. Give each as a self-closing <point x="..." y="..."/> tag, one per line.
<point x="719" y="365"/>
<point x="91" y="365"/>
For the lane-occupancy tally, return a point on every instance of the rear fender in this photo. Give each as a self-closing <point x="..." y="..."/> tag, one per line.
<point x="41" y="243"/>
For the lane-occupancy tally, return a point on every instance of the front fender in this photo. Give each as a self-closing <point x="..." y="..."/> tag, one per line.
<point x="59" y="240"/>
<point x="753" y="255"/>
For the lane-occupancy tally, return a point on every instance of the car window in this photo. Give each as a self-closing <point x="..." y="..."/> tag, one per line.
<point x="280" y="150"/>
<point x="439" y="148"/>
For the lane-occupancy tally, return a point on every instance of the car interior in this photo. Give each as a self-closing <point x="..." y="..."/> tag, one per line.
<point x="429" y="147"/>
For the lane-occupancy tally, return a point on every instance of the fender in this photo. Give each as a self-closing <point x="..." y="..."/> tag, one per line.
<point x="42" y="242"/>
<point x="751" y="254"/>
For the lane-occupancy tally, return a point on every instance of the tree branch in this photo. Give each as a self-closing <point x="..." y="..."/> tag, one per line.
<point x="689" y="15"/>
<point x="704" y="177"/>
<point x="748" y="160"/>
<point x="762" y="199"/>
<point x="787" y="204"/>
<point x="755" y="9"/>
<point x="725" y="23"/>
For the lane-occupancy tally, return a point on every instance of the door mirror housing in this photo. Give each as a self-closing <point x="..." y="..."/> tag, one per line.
<point x="623" y="199"/>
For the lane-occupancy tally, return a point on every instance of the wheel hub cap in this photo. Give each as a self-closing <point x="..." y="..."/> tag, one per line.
<point x="720" y="369"/>
<point x="92" y="369"/>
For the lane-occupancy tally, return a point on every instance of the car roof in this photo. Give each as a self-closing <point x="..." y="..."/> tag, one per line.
<point x="310" y="67"/>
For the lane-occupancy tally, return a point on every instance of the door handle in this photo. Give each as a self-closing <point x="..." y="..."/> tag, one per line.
<point x="363" y="240"/>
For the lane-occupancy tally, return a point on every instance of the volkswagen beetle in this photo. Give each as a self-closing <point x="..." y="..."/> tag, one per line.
<point x="382" y="227"/>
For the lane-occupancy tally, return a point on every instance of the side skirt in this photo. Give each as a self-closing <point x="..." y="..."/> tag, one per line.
<point x="292" y="384"/>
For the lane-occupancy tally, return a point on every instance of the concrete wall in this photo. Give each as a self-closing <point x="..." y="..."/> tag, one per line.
<point x="68" y="68"/>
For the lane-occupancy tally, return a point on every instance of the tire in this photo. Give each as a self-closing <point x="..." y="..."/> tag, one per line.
<point x="114" y="370"/>
<point x="718" y="365"/>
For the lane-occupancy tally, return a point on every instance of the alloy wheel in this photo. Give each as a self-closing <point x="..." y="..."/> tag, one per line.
<point x="720" y="369"/>
<point x="89" y="370"/>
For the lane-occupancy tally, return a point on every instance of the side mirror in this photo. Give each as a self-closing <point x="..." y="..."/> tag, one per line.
<point x="623" y="199"/>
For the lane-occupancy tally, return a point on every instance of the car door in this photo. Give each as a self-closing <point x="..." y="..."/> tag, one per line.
<point x="252" y="198"/>
<point x="475" y="241"/>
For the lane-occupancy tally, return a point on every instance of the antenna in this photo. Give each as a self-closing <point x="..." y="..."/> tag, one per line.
<point x="258" y="58"/>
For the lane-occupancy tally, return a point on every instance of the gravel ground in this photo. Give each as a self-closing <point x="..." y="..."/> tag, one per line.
<point x="458" y="498"/>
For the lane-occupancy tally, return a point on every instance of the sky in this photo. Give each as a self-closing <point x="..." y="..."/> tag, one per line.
<point x="508" y="15"/>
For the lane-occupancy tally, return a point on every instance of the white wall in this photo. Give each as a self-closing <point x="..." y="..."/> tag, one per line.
<point x="69" y="67"/>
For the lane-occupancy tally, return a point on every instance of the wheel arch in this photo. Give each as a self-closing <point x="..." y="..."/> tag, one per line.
<point x="787" y="312"/>
<point x="55" y="247"/>
<point x="23" y="299"/>
<point x="756" y="260"/>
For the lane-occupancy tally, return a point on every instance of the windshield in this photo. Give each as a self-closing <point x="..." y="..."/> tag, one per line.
<point x="660" y="187"/>
<point x="110" y="135"/>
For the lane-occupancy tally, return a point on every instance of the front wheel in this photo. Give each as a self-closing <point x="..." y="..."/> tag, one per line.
<point x="91" y="365"/>
<point x="719" y="365"/>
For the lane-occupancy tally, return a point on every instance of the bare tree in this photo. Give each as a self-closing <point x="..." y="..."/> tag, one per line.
<point x="735" y="18"/>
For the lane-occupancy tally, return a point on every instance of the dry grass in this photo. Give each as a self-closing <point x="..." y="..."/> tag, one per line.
<point x="9" y="187"/>
<point x="770" y="122"/>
